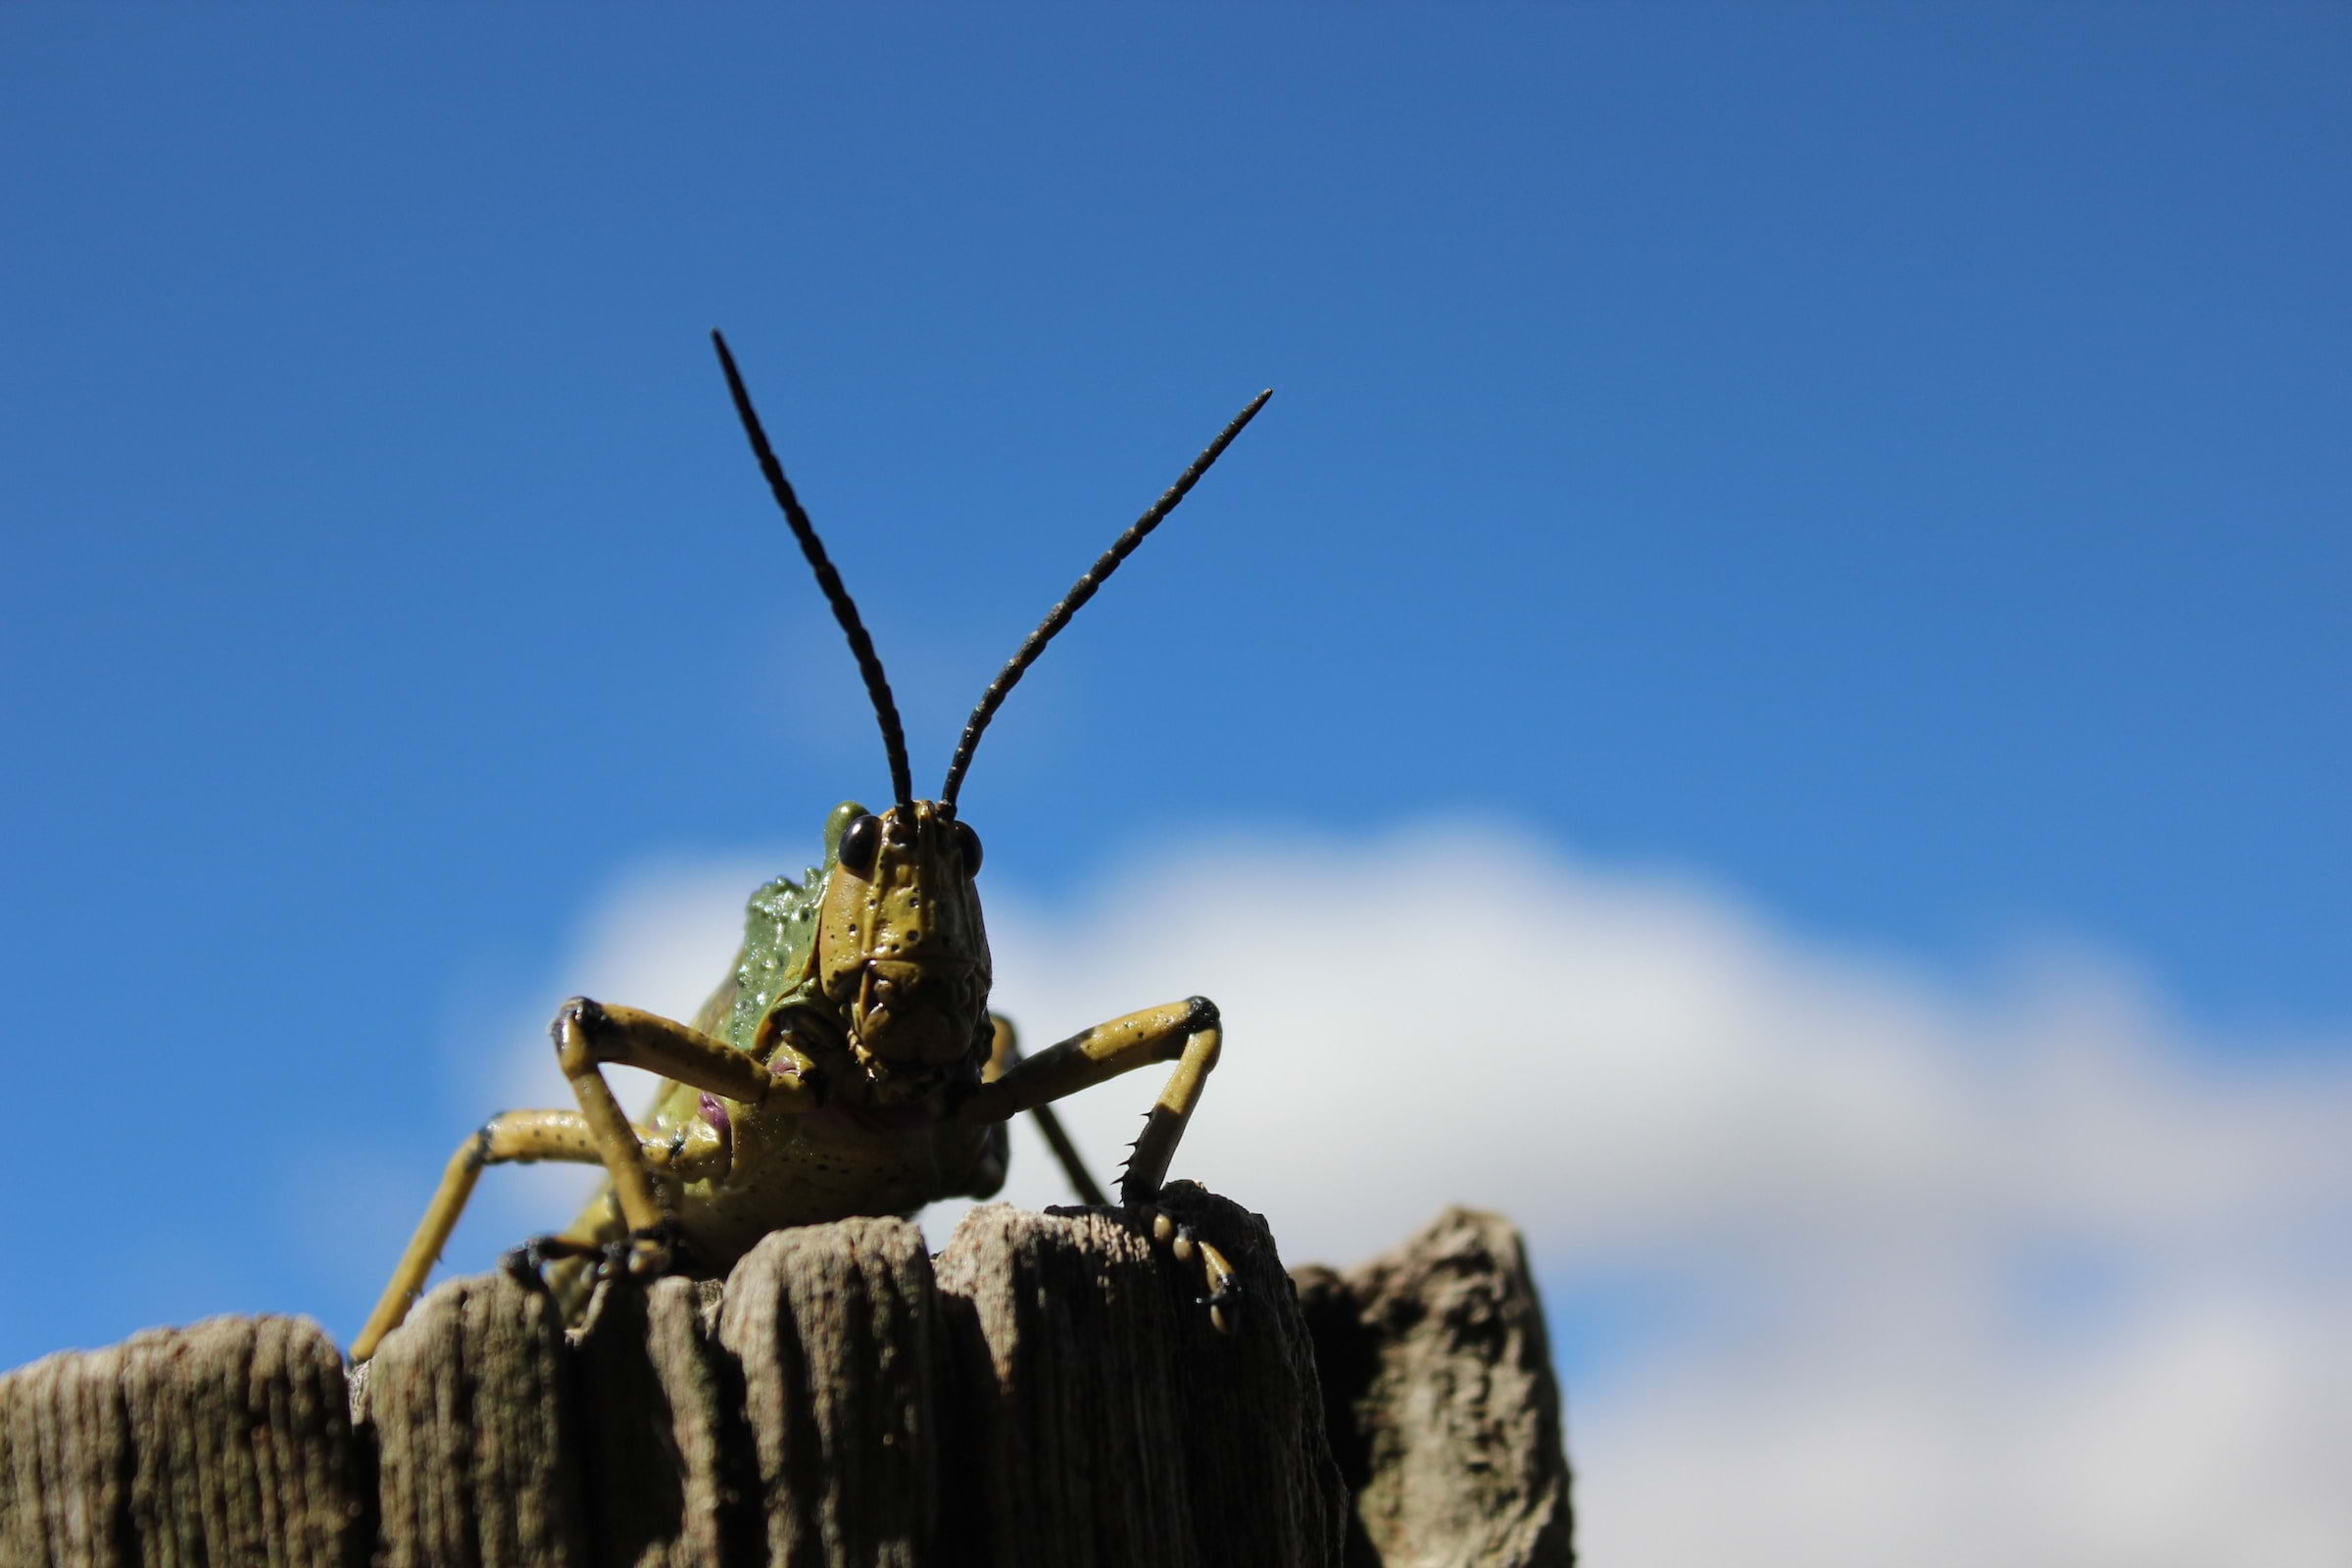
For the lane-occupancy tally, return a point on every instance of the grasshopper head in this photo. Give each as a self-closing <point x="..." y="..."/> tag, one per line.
<point x="900" y="950"/>
<point x="901" y="955"/>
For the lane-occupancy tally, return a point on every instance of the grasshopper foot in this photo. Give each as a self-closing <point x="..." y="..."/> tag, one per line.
<point x="526" y="1264"/>
<point x="1224" y="1297"/>
<point x="1224" y="1282"/>
<point x="644" y="1254"/>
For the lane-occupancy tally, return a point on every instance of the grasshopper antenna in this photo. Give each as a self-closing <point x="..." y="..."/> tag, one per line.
<point x="845" y="609"/>
<point x="1080" y="592"/>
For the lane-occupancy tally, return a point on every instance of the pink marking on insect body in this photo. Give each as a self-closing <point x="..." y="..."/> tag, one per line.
<point x="715" y="1111"/>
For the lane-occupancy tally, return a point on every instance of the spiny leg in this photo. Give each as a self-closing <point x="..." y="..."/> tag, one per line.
<point x="1186" y="1031"/>
<point x="515" y="1137"/>
<point x="1147" y="1171"/>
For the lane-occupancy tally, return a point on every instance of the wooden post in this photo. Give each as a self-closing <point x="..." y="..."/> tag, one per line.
<point x="1046" y="1392"/>
<point x="1440" y="1400"/>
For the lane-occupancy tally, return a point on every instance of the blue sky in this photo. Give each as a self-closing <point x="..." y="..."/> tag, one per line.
<point x="1882" y="467"/>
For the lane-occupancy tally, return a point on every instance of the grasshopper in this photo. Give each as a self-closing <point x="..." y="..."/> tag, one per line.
<point x="848" y="1063"/>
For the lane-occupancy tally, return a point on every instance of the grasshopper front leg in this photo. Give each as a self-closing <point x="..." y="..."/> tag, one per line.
<point x="1005" y="1054"/>
<point x="1186" y="1032"/>
<point x="588" y="1035"/>
<point x="523" y="1138"/>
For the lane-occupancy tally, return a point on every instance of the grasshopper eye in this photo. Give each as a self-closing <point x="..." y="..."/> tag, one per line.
<point x="858" y="845"/>
<point x="967" y="843"/>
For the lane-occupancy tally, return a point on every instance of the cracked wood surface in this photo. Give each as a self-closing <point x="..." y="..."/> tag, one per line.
<point x="1045" y="1392"/>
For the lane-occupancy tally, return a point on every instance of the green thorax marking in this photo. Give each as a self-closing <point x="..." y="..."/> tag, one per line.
<point x="779" y="937"/>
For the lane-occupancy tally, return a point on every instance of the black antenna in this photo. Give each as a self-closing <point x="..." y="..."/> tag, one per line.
<point x="845" y="609"/>
<point x="1080" y="592"/>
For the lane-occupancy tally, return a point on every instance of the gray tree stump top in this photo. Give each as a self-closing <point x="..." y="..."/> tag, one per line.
<point x="1047" y="1391"/>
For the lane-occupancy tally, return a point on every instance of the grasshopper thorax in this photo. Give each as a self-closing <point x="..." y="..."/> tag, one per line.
<point x="901" y="953"/>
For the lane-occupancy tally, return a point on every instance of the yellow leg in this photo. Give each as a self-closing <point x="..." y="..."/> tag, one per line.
<point x="589" y="1034"/>
<point x="1093" y="1056"/>
<point x="1147" y="1171"/>
<point x="515" y="1137"/>
<point x="1165" y="1124"/>
<point x="1188" y="1031"/>
<point x="1003" y="1057"/>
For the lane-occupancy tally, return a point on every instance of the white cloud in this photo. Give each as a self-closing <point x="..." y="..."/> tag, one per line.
<point x="2018" y="1277"/>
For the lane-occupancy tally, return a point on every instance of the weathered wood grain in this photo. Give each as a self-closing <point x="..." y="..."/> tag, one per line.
<point x="1104" y="1420"/>
<point x="1048" y="1391"/>
<point x="666" y="1470"/>
<point x="230" y="1441"/>
<point x="1439" y="1396"/>
<point x="832" y="1327"/>
<point x="477" y="1433"/>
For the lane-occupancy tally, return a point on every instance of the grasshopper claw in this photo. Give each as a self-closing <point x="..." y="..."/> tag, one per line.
<point x="526" y="1264"/>
<point x="646" y="1253"/>
<point x="612" y="1258"/>
<point x="1154" y="1220"/>
<point x="1224" y="1297"/>
<point x="1224" y="1283"/>
<point x="521" y="1265"/>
